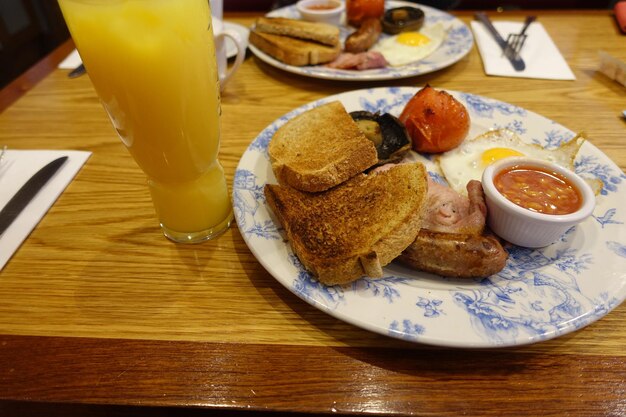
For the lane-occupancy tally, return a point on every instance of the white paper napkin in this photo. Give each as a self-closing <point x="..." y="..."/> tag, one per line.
<point x="16" y="168"/>
<point x="540" y="54"/>
<point x="71" y="61"/>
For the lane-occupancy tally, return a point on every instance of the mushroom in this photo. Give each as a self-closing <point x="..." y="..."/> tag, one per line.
<point x="401" y="19"/>
<point x="386" y="132"/>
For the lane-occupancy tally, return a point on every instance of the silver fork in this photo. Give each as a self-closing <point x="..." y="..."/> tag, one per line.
<point x="4" y="149"/>
<point x="515" y="41"/>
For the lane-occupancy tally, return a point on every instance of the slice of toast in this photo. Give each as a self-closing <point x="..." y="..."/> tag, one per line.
<point x="320" y="148"/>
<point x="311" y="31"/>
<point x="293" y="51"/>
<point x="355" y="228"/>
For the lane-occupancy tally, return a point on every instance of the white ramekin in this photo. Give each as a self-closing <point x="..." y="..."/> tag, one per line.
<point x="330" y="16"/>
<point x="524" y="227"/>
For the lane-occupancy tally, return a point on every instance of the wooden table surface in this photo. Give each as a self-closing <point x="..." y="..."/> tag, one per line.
<point x="100" y="314"/>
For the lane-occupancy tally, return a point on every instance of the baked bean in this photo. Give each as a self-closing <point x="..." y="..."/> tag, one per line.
<point x="538" y="190"/>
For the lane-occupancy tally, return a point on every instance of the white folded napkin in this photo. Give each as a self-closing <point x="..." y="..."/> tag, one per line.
<point x="540" y="54"/>
<point x="16" y="168"/>
<point x="71" y="61"/>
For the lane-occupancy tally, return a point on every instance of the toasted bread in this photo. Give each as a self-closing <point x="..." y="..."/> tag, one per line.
<point x="320" y="148"/>
<point x="293" y="51"/>
<point x="310" y="31"/>
<point x="356" y="228"/>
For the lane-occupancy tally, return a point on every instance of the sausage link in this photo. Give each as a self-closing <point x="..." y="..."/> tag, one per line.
<point x="366" y="36"/>
<point x="455" y="255"/>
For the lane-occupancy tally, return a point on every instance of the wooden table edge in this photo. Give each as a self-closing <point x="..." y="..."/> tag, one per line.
<point x="71" y="373"/>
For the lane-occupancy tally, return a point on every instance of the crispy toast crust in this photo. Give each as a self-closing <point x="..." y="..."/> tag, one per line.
<point x="293" y="51"/>
<point x="356" y="228"/>
<point x="310" y="31"/>
<point x="320" y="149"/>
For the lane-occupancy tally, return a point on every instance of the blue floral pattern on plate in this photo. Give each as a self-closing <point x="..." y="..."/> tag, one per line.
<point x="539" y="295"/>
<point x="458" y="43"/>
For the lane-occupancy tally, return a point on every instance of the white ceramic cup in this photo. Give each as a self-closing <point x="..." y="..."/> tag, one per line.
<point x="220" y="33"/>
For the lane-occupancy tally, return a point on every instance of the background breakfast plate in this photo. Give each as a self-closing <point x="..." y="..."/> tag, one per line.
<point x="540" y="294"/>
<point x="457" y="44"/>
<point x="242" y="31"/>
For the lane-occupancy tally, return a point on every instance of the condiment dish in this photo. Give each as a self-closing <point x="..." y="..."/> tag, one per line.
<point x="325" y="11"/>
<point x="525" y="227"/>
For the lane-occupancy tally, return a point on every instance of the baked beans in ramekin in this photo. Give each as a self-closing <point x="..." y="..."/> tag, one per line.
<point x="325" y="11"/>
<point x="532" y="203"/>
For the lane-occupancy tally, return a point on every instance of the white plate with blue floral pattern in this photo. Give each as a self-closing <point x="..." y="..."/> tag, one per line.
<point x="539" y="295"/>
<point x="457" y="44"/>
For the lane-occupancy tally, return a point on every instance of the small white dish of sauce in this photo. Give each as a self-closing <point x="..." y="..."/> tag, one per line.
<point x="532" y="203"/>
<point x="325" y="11"/>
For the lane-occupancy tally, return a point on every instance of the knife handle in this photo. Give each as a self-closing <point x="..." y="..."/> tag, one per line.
<point x="486" y="21"/>
<point x="27" y="192"/>
<point x="517" y="62"/>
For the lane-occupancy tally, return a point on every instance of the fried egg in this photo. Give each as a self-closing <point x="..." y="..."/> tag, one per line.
<point x="468" y="161"/>
<point x="407" y="47"/>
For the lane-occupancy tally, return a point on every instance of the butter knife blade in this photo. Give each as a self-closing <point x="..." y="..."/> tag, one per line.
<point x="27" y="192"/>
<point x="78" y="71"/>
<point x="516" y="61"/>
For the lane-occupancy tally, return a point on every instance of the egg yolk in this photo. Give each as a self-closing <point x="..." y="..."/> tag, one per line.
<point x="494" y="154"/>
<point x="412" y="39"/>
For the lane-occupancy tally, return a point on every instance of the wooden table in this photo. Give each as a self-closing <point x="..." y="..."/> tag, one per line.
<point x="100" y="314"/>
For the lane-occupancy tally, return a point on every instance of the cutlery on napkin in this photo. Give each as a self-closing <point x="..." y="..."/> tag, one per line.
<point x="27" y="192"/>
<point x="507" y="50"/>
<point x="17" y="167"/>
<point x="540" y="54"/>
<point x="72" y="61"/>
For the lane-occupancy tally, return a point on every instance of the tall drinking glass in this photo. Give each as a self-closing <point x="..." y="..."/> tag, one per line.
<point x="152" y="63"/>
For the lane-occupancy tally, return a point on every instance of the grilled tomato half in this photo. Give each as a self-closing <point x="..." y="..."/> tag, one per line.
<point x="435" y="121"/>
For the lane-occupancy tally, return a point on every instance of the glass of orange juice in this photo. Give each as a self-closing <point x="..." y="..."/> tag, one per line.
<point x="152" y="63"/>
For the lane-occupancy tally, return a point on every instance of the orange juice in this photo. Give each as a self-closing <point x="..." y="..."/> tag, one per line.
<point x="152" y="62"/>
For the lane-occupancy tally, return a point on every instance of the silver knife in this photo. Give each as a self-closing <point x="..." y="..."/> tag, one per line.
<point x="27" y="192"/>
<point x="516" y="61"/>
<point x="78" y="71"/>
